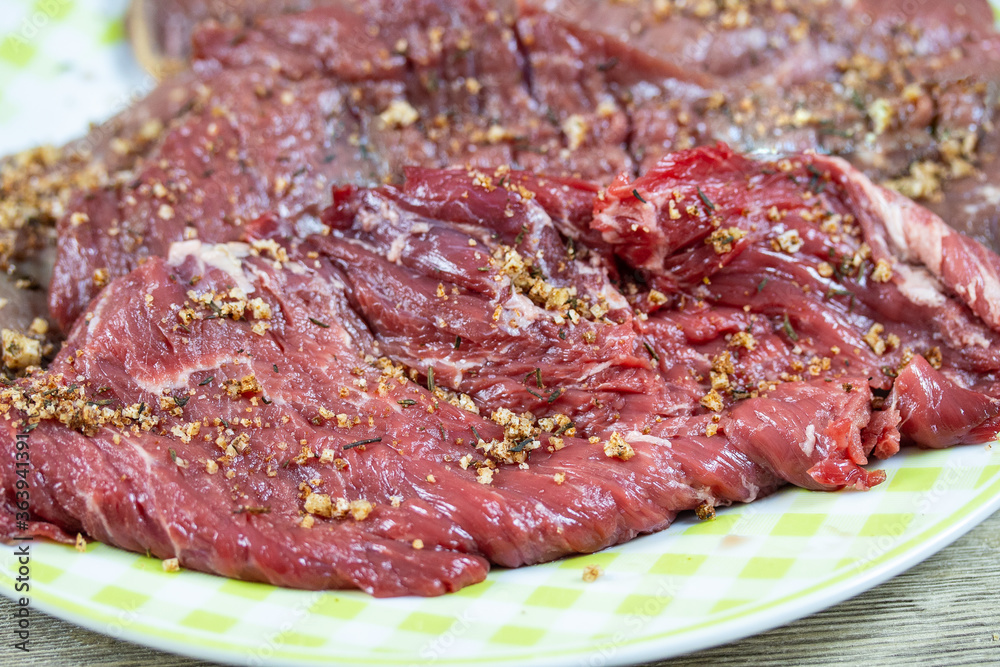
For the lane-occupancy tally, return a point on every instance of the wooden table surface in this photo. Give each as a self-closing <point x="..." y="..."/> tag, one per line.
<point x="945" y="611"/>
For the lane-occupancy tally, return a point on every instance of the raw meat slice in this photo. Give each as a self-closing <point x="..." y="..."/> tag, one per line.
<point x="936" y="412"/>
<point x="472" y="369"/>
<point x="277" y="114"/>
<point x="832" y="452"/>
<point x="237" y="403"/>
<point x="200" y="442"/>
<point x="274" y="112"/>
<point x="803" y="268"/>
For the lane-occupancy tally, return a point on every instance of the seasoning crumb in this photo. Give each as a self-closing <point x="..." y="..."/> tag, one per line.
<point x="360" y="509"/>
<point x="720" y="381"/>
<point x="705" y="511"/>
<point x="712" y="400"/>
<point x="592" y="572"/>
<point x="617" y="448"/>
<point x="743" y="339"/>
<point x="319" y="504"/>
<point x="323" y="505"/>
<point x="657" y="298"/>
<point x="874" y="339"/>
<point x="575" y="128"/>
<point x="790" y="242"/>
<point x="19" y="351"/>
<point x="723" y="363"/>
<point x="418" y="543"/>
<point x="882" y="272"/>
<point x="399" y="113"/>
<point x="81" y="544"/>
<point x="171" y="565"/>
<point x="722" y="240"/>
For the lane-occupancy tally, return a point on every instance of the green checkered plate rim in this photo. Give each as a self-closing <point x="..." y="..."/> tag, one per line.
<point x="692" y="586"/>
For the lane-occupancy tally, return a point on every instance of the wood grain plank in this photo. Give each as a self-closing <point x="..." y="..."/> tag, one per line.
<point x="945" y="611"/>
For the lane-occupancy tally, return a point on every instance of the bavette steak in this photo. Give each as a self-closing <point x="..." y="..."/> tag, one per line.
<point x="279" y="104"/>
<point x="488" y="366"/>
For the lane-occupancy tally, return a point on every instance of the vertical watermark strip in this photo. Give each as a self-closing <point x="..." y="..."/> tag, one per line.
<point x="22" y="552"/>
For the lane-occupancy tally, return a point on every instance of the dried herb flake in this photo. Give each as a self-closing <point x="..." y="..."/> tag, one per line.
<point x="247" y="509"/>
<point x="705" y="200"/>
<point x="519" y="447"/>
<point x="358" y="443"/>
<point x="520" y="235"/>
<point x="565" y="428"/>
<point x="787" y="326"/>
<point x="608" y="64"/>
